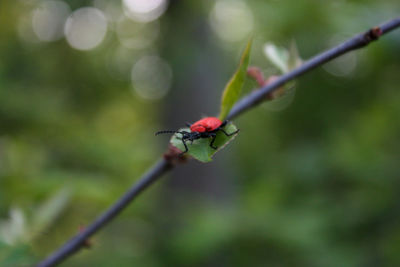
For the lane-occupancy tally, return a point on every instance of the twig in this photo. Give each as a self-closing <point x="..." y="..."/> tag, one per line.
<point x="356" y="42"/>
<point x="79" y="240"/>
<point x="168" y="162"/>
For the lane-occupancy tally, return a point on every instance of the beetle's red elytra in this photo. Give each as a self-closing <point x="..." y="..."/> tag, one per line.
<point x="206" y="125"/>
<point x="204" y="128"/>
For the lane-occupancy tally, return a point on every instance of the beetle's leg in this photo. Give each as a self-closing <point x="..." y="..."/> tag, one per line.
<point x="186" y="148"/>
<point x="230" y="134"/>
<point x="212" y="141"/>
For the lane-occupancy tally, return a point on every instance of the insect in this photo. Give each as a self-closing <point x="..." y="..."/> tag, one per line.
<point x="204" y="128"/>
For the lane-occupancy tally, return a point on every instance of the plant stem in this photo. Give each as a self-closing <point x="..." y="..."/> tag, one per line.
<point x="250" y="101"/>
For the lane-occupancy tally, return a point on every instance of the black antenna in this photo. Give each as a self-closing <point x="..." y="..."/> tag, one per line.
<point x="163" y="132"/>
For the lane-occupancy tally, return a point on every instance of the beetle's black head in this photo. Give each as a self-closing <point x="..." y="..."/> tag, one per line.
<point x="190" y="135"/>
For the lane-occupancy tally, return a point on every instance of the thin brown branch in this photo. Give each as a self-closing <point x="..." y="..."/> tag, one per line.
<point x="171" y="158"/>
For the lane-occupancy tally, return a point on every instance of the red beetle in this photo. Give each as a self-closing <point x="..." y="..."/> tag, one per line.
<point x="204" y="128"/>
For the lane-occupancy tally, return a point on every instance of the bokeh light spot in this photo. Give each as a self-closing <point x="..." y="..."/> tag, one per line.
<point x="48" y="20"/>
<point x="144" y="10"/>
<point x="232" y="20"/>
<point x="86" y="28"/>
<point x="151" y="77"/>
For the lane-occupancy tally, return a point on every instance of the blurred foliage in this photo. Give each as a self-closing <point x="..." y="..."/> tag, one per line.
<point x="315" y="184"/>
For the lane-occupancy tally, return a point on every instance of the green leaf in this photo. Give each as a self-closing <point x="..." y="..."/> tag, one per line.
<point x="13" y="230"/>
<point x="234" y="87"/>
<point x="200" y="149"/>
<point x="283" y="59"/>
<point x="48" y="211"/>
<point x="278" y="56"/>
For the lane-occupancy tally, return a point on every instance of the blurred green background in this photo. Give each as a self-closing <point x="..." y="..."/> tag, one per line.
<point x="85" y="84"/>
